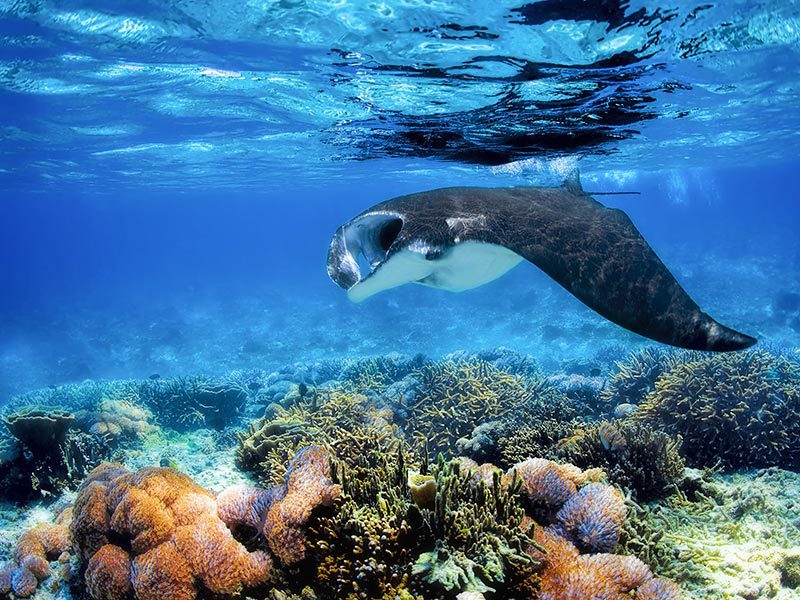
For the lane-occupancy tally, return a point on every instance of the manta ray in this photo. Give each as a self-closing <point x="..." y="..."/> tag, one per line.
<point x="460" y="238"/>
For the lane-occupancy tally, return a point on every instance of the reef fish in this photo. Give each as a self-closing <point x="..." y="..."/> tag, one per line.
<point x="463" y="237"/>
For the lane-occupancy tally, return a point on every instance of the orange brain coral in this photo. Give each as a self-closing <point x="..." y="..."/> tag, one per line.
<point x="178" y="535"/>
<point x="32" y="554"/>
<point x="178" y="545"/>
<point x="281" y="513"/>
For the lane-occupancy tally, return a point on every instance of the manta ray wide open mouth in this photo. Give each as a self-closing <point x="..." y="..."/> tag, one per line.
<point x="361" y="246"/>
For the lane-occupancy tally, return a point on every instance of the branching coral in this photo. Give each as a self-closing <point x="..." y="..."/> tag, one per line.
<point x="380" y="543"/>
<point x="375" y="373"/>
<point x="189" y="402"/>
<point x="633" y="455"/>
<point x="452" y="398"/>
<point x="636" y="376"/>
<point x="734" y="410"/>
<point x="342" y="419"/>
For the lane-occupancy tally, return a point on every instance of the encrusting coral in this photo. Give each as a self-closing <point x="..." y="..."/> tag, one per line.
<point x="157" y="533"/>
<point x="733" y="410"/>
<point x="33" y="552"/>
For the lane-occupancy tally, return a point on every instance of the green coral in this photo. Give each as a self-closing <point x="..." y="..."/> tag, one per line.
<point x="790" y="569"/>
<point x="453" y="397"/>
<point x="340" y="418"/>
<point x="450" y="570"/>
<point x="636" y="376"/>
<point x="633" y="455"/>
<point x="378" y="542"/>
<point x="732" y="410"/>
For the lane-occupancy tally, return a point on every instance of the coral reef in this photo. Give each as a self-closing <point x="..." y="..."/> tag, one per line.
<point x="634" y="456"/>
<point x="733" y="410"/>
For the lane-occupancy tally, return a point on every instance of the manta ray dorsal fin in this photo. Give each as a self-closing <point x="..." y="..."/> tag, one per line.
<point x="572" y="183"/>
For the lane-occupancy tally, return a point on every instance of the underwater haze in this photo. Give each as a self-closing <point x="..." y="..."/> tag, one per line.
<point x="171" y="175"/>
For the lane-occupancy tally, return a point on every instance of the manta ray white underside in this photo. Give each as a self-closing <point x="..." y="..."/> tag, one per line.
<point x="462" y="267"/>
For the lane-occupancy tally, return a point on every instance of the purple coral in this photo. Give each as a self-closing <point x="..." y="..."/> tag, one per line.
<point x="593" y="517"/>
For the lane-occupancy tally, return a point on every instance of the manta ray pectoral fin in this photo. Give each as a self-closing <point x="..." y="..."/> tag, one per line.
<point x="601" y="258"/>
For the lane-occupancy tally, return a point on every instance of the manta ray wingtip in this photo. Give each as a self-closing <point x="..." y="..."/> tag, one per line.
<point x="718" y="338"/>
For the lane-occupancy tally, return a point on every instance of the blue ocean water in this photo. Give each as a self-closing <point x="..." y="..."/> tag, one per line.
<point x="171" y="172"/>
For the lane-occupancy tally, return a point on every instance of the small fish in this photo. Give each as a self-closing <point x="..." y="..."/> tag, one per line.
<point x="154" y="376"/>
<point x="169" y="463"/>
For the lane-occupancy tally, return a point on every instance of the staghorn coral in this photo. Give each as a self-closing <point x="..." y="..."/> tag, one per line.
<point x="636" y="376"/>
<point x="189" y="402"/>
<point x="377" y="372"/>
<point x="340" y="418"/>
<point x="633" y="455"/>
<point x="451" y="398"/>
<point x="162" y="529"/>
<point x="734" y="410"/>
